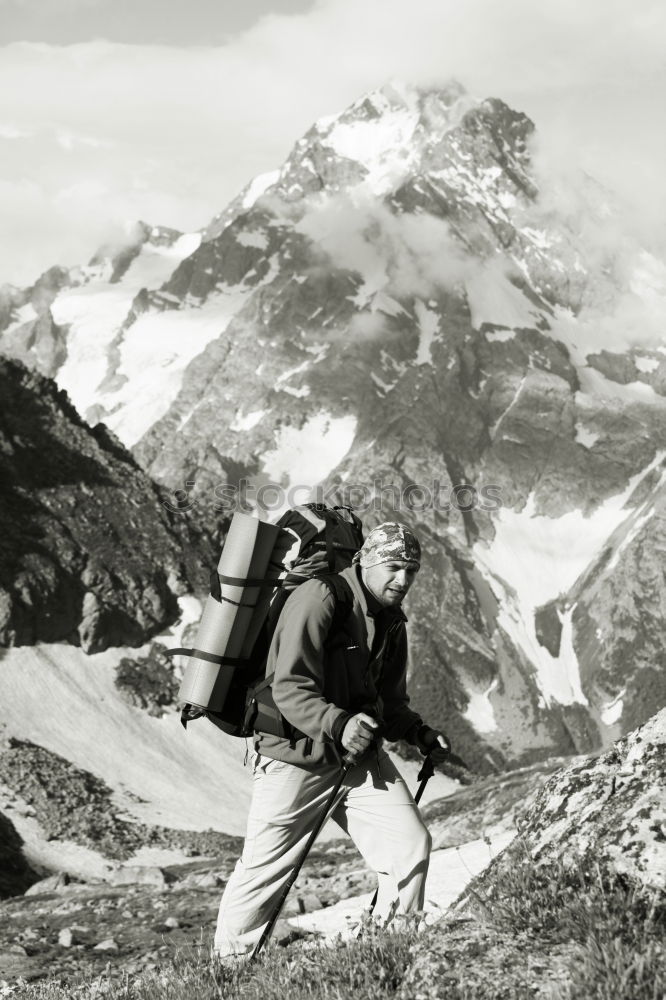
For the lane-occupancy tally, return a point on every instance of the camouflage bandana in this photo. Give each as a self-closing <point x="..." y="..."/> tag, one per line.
<point x="387" y="542"/>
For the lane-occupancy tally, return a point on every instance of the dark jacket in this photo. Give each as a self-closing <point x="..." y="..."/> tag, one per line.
<point x="321" y="679"/>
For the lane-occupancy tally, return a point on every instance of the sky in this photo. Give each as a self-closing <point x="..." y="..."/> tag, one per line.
<point x="112" y="110"/>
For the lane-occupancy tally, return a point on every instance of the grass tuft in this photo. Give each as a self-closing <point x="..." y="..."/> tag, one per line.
<point x="371" y="967"/>
<point x="564" y="931"/>
<point x="556" y="931"/>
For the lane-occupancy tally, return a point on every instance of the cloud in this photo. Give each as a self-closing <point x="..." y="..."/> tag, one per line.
<point x="183" y="129"/>
<point x="403" y="254"/>
<point x="49" y="6"/>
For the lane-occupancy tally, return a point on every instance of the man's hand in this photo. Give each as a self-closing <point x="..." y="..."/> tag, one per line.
<point x="360" y="732"/>
<point x="431" y="741"/>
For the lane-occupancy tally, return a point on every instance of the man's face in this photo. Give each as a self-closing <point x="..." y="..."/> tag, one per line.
<point x="390" y="581"/>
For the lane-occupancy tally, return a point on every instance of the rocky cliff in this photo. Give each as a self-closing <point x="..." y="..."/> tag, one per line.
<point x="88" y="553"/>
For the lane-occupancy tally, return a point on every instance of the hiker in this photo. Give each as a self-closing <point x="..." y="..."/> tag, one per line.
<point x="343" y="694"/>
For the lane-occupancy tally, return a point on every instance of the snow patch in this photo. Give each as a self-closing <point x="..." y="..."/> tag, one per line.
<point x="428" y="326"/>
<point x="252" y="239"/>
<point x="493" y="299"/>
<point x="258" y="186"/>
<point x="480" y="711"/>
<point x="95" y="312"/>
<point x="191" y="610"/>
<point x="492" y="430"/>
<point x="596" y="385"/>
<point x="585" y="437"/>
<point x="534" y="559"/>
<point x="160" y="774"/>
<point x="293" y="371"/>
<point x="248" y="421"/>
<point x="25" y="314"/>
<point x="635" y="523"/>
<point x="500" y="335"/>
<point x="154" y="265"/>
<point x="309" y="453"/>
<point x="385" y="387"/>
<point x="538" y="237"/>
<point x="449" y="872"/>
<point x="381" y="302"/>
<point x="506" y="199"/>
<point x="542" y="557"/>
<point x="382" y="145"/>
<point x="169" y="341"/>
<point x="166" y="341"/>
<point x="647" y="364"/>
<point x="612" y="712"/>
<point x="298" y="393"/>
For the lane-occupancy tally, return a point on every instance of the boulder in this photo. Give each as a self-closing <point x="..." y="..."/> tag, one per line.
<point x="54" y="883"/>
<point x="610" y="809"/>
<point x="138" y="875"/>
<point x="108" y="944"/>
<point x="15" y="963"/>
<point x="16" y="875"/>
<point x="66" y="937"/>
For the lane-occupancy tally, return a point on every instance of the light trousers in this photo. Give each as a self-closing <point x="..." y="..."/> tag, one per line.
<point x="374" y="807"/>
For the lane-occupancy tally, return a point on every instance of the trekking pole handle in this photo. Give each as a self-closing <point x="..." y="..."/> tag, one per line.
<point x="424" y="776"/>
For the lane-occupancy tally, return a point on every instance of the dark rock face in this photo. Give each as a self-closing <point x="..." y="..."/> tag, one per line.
<point x="89" y="555"/>
<point x="15" y="873"/>
<point x="28" y="331"/>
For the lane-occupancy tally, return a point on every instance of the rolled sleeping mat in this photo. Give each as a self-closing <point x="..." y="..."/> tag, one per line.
<point x="224" y="625"/>
<point x="276" y="571"/>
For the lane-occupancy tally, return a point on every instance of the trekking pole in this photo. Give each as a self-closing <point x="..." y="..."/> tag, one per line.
<point x="348" y="763"/>
<point x="423" y="777"/>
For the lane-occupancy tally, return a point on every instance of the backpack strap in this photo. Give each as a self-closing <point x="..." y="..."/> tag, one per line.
<point x="260" y="698"/>
<point x="344" y="600"/>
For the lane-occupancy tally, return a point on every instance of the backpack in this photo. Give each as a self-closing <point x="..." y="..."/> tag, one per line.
<point x="319" y="542"/>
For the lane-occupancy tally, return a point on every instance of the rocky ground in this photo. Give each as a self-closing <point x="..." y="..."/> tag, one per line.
<point x="141" y="916"/>
<point x="572" y="908"/>
<point x="145" y="915"/>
